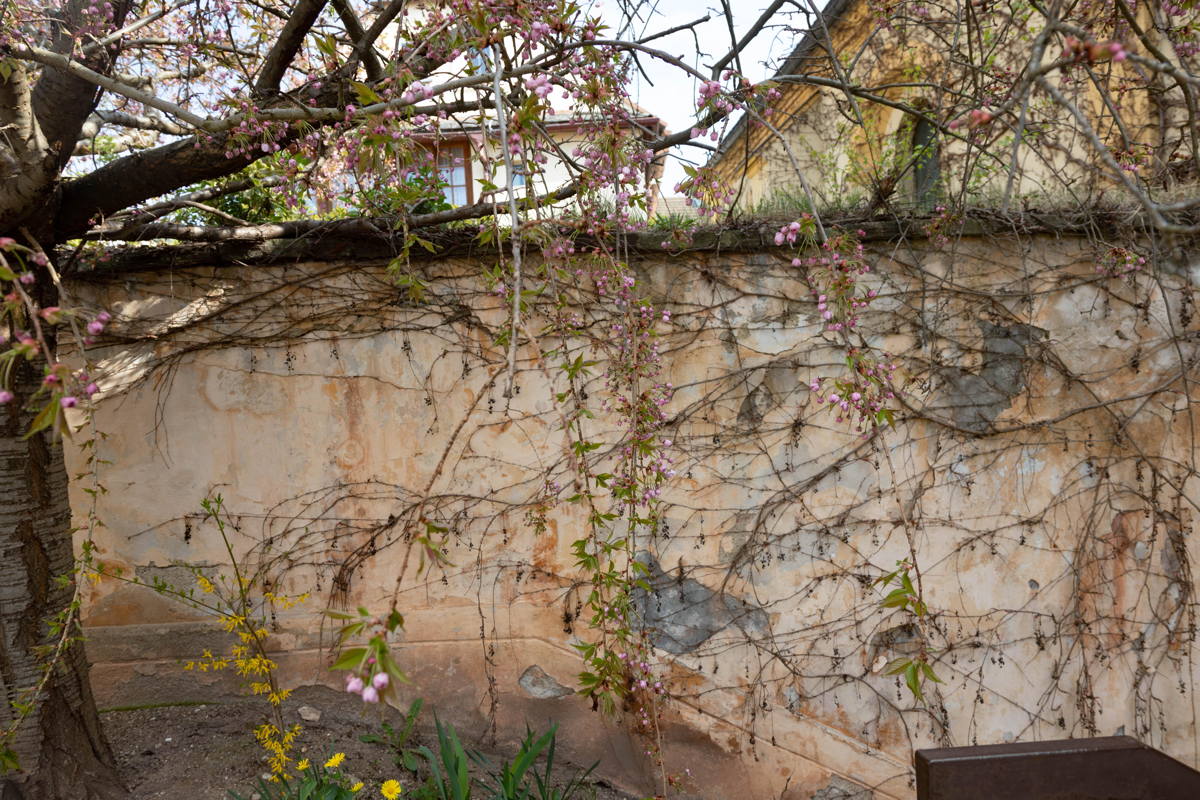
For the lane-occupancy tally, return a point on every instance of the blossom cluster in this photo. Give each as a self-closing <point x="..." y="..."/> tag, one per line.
<point x="1078" y="51"/>
<point x="940" y="226"/>
<point x="832" y="276"/>
<point x="714" y="195"/>
<point x="30" y="327"/>
<point x="1119" y="261"/>
<point x="366" y="685"/>
<point x="863" y="396"/>
<point x="370" y="669"/>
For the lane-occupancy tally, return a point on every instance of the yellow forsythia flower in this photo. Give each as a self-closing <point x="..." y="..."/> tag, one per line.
<point x="390" y="789"/>
<point x="303" y="765"/>
<point x="205" y="584"/>
<point x="335" y="761"/>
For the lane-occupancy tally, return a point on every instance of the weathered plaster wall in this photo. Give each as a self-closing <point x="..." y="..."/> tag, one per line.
<point x="1043" y="468"/>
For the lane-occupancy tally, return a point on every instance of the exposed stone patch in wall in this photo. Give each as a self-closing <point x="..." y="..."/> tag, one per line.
<point x="976" y="399"/>
<point x="681" y="613"/>
<point x="538" y="683"/>
<point x="842" y="789"/>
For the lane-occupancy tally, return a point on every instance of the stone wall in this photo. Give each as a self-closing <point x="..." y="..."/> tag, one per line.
<point x="1043" y="468"/>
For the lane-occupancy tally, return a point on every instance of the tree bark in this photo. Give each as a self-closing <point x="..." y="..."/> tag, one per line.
<point x="27" y="166"/>
<point x="61" y="746"/>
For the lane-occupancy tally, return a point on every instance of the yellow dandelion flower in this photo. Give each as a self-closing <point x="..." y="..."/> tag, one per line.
<point x="303" y="765"/>
<point x="335" y="760"/>
<point x="356" y="786"/>
<point x="391" y="789"/>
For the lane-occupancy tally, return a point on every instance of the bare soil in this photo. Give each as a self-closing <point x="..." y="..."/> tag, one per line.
<point x="200" y="752"/>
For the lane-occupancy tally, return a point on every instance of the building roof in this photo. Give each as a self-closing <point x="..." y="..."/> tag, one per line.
<point x="814" y="37"/>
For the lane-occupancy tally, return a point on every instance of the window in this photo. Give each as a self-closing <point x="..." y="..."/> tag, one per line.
<point x="926" y="168"/>
<point x="454" y="171"/>
<point x="479" y="59"/>
<point x="518" y="175"/>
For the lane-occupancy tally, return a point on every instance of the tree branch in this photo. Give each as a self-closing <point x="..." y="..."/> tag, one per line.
<point x="357" y="35"/>
<point x="357" y="226"/>
<point x="366" y="42"/>
<point x="154" y="211"/>
<point x="287" y="45"/>
<point x="63" y="98"/>
<point x="27" y="167"/>
<point x="62" y="65"/>
<point x="141" y="122"/>
<point x="167" y="168"/>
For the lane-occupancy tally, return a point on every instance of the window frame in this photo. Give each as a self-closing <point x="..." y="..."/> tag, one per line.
<point x="460" y="148"/>
<point x="926" y="150"/>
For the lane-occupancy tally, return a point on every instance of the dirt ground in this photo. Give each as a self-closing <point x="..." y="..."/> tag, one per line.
<point x="200" y="752"/>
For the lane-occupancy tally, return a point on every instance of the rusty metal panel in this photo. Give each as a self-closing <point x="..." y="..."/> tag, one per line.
<point x="1107" y="768"/>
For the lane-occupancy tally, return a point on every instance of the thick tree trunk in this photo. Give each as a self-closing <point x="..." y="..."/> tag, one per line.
<point x="61" y="746"/>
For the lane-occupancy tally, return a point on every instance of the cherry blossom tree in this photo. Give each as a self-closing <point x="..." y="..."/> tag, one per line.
<point x="211" y="120"/>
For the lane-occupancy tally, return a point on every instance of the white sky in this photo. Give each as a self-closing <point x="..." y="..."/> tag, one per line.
<point x="670" y="94"/>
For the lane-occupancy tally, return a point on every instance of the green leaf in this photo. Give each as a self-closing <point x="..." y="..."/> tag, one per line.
<point x="888" y="578"/>
<point x="912" y="677"/>
<point x="327" y="45"/>
<point x="366" y="95"/>
<point x="351" y="658"/>
<point x="46" y="417"/>
<point x="8" y="759"/>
